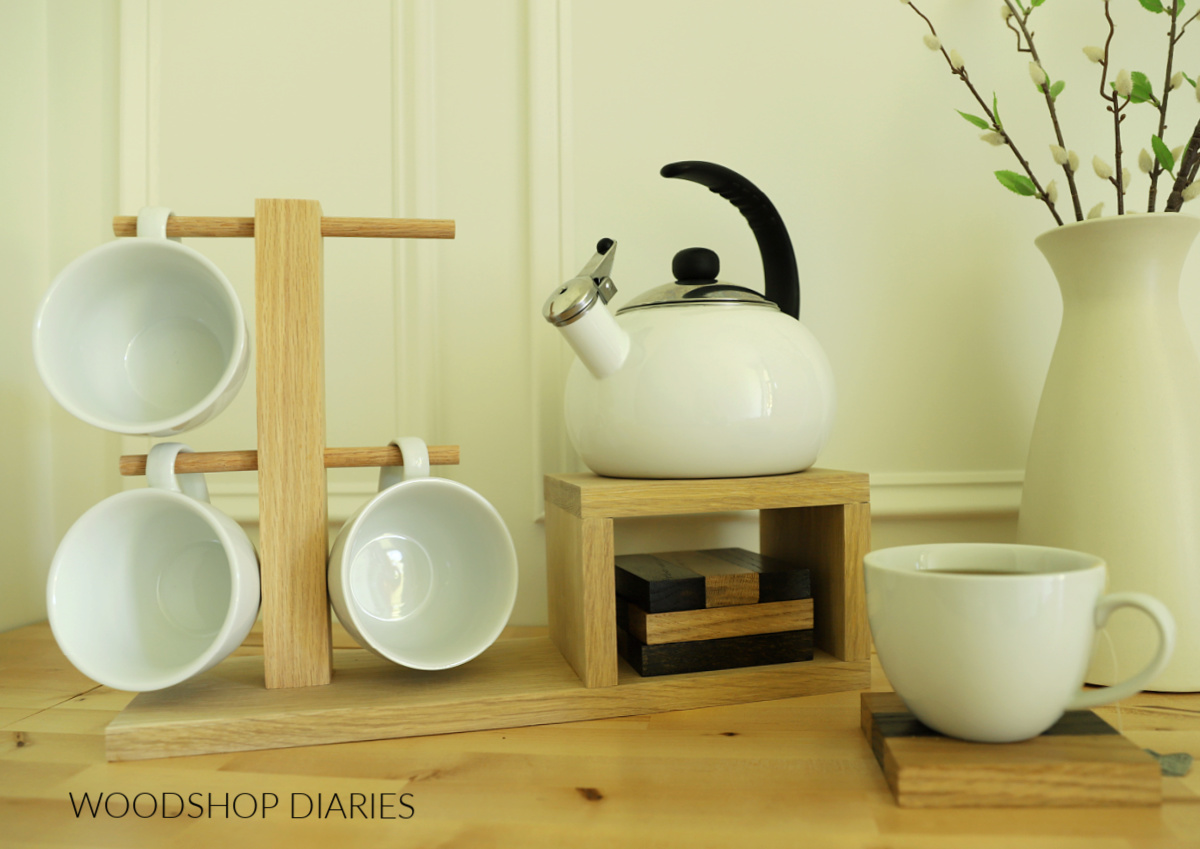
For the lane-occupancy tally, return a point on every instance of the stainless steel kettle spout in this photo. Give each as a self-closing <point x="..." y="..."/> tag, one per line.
<point x="579" y="308"/>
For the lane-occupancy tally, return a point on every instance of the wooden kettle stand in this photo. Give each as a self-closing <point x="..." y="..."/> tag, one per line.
<point x="521" y="681"/>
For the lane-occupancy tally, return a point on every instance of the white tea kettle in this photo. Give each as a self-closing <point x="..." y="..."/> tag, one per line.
<point x="697" y="378"/>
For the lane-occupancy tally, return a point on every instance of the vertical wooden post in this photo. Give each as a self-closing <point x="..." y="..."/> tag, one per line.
<point x="580" y="584"/>
<point x="293" y="512"/>
<point x="831" y="541"/>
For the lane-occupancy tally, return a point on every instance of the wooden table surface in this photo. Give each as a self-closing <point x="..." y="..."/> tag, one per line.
<point x="795" y="772"/>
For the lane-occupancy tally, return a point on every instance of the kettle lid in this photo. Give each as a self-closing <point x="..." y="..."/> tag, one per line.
<point x="695" y="271"/>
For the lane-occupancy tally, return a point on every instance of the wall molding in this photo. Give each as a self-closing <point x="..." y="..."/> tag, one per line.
<point x="550" y="227"/>
<point x="946" y="495"/>
<point x="414" y="195"/>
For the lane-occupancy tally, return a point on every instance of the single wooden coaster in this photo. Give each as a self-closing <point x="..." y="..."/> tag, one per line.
<point x="695" y="580"/>
<point x="683" y="626"/>
<point x="1081" y="761"/>
<point x="707" y="655"/>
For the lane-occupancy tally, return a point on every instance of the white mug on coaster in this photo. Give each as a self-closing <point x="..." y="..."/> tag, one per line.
<point x="425" y="574"/>
<point x="142" y="336"/>
<point x="152" y="586"/>
<point x="990" y="642"/>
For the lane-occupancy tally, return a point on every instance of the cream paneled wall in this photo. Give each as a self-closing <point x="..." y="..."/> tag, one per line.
<point x="540" y="126"/>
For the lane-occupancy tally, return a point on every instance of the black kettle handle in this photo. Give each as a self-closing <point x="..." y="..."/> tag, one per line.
<point x="778" y="258"/>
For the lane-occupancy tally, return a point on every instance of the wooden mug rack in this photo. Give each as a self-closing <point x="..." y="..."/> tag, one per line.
<point x="819" y="518"/>
<point x="291" y="458"/>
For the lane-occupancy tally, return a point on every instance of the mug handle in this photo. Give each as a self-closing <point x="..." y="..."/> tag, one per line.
<point x="1165" y="623"/>
<point x="152" y="223"/>
<point x="160" y="472"/>
<point x="415" y="454"/>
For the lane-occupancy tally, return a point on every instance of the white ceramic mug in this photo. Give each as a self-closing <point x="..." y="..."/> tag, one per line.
<point x="425" y="574"/>
<point x="152" y="586"/>
<point x="990" y="642"/>
<point x="142" y="336"/>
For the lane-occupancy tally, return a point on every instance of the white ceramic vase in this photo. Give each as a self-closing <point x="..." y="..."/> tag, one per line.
<point x="1114" y="461"/>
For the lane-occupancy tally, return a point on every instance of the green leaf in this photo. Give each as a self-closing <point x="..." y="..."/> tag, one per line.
<point x="1152" y="5"/>
<point x="1189" y="79"/>
<point x="1056" y="89"/>
<point x="996" y="112"/>
<point x="975" y="119"/>
<point x="1163" y="153"/>
<point x="1142" y="90"/>
<point x="1015" y="182"/>
<point x="1037" y="3"/>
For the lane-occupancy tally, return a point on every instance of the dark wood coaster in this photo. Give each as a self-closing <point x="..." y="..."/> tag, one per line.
<point x="705" y="655"/>
<point x="692" y="580"/>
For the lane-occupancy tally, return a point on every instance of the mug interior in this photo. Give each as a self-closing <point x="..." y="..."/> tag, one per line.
<point x="141" y="590"/>
<point x="429" y="573"/>
<point x="981" y="559"/>
<point x="138" y="333"/>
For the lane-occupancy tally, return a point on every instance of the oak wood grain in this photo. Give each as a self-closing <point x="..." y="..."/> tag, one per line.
<point x="717" y="622"/>
<point x="1061" y="768"/>
<point x="247" y="461"/>
<point x="588" y="495"/>
<point x="581" y="595"/>
<point x="293" y="510"/>
<point x="517" y="682"/>
<point x="180" y="226"/>
<point x="830" y="540"/>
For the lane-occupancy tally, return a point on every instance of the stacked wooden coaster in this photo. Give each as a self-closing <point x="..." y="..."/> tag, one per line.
<point x="692" y="611"/>
<point x="1081" y="761"/>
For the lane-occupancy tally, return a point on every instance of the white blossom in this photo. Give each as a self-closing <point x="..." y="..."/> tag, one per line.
<point x="1191" y="192"/>
<point x="1176" y="80"/>
<point x="1005" y="13"/>
<point x="1073" y="161"/>
<point x="1198" y="92"/>
<point x="932" y="41"/>
<point x="1145" y="161"/>
<point x="1124" y="83"/>
<point x="993" y="138"/>
<point x="1037" y="74"/>
<point x="1096" y="54"/>
<point x="956" y="60"/>
<point x="1052" y="192"/>
<point x="1103" y="170"/>
<point x="1096" y="210"/>
<point x="1177" y="152"/>
<point x="1059" y="153"/>
<point x="1126" y="179"/>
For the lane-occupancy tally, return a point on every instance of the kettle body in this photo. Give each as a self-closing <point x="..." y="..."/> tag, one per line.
<point x="705" y="392"/>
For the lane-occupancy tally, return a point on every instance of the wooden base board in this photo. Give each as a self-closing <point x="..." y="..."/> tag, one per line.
<point x="517" y="682"/>
<point x="1080" y="762"/>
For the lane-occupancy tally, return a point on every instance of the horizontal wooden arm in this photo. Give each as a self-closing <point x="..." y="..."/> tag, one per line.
<point x="247" y="461"/>
<point x="179" y="226"/>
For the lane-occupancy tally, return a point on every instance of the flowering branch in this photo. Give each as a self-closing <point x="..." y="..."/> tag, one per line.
<point x="1042" y="81"/>
<point x="1186" y="188"/>
<point x="1126" y="87"/>
<point x="1171" y="81"/>
<point x="997" y="134"/>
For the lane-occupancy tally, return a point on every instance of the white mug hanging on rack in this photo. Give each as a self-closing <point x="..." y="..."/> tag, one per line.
<point x="425" y="574"/>
<point x="152" y="586"/>
<point x="142" y="336"/>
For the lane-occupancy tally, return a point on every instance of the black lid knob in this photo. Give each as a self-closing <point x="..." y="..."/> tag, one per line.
<point x="696" y="265"/>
